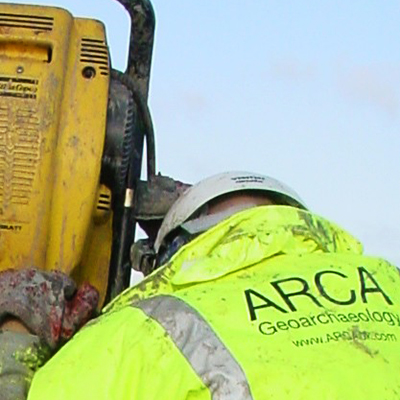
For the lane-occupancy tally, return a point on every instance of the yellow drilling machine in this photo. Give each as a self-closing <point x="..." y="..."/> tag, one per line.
<point x="72" y="134"/>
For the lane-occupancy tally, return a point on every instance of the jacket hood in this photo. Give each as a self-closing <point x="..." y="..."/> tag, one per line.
<point x="263" y="232"/>
<point x="240" y="241"/>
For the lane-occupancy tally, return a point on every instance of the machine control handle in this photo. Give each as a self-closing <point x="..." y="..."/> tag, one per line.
<point x="141" y="41"/>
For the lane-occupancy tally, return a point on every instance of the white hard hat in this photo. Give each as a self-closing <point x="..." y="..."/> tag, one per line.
<point x="210" y="188"/>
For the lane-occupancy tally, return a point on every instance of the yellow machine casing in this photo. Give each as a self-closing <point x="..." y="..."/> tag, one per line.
<point x="54" y="81"/>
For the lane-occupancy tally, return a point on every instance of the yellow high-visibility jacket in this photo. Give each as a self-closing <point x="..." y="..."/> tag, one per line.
<point x="273" y="303"/>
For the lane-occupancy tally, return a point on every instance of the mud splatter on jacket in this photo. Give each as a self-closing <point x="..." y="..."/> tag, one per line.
<point x="273" y="303"/>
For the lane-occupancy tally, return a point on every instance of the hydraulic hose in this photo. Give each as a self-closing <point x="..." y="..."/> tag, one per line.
<point x="145" y="117"/>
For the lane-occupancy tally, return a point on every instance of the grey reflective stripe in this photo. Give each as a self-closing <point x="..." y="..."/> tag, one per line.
<point x="202" y="348"/>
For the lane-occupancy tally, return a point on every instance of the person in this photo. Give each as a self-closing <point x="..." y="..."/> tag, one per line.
<point x="253" y="296"/>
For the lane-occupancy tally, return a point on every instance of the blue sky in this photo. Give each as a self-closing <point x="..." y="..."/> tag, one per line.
<point x="305" y="91"/>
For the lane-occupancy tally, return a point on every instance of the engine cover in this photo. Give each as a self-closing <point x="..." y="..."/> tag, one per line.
<point x="54" y="82"/>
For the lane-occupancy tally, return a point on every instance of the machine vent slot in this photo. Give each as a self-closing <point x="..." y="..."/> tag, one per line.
<point x="35" y="22"/>
<point x="19" y="153"/>
<point x="95" y="51"/>
<point x="104" y="203"/>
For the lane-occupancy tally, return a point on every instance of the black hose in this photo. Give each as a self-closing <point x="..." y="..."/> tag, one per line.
<point x="145" y="117"/>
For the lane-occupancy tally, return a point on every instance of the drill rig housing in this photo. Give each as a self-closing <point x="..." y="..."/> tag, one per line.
<point x="72" y="132"/>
